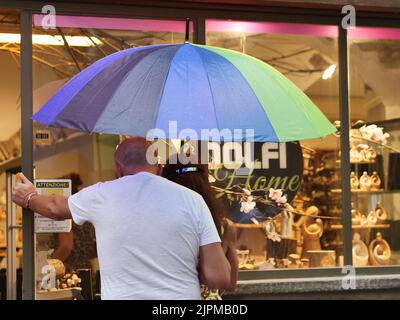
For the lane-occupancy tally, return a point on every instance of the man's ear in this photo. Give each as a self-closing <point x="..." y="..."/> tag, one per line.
<point x="160" y="169"/>
<point x="118" y="170"/>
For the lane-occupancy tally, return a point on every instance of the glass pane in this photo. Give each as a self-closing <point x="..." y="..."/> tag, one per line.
<point x="10" y="150"/>
<point x="310" y="236"/>
<point x="82" y="158"/>
<point x="374" y="72"/>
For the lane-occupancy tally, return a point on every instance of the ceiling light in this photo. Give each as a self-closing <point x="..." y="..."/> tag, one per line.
<point x="329" y="72"/>
<point x="57" y="40"/>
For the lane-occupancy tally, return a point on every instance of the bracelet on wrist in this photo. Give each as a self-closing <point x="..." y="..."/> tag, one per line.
<point x="29" y="198"/>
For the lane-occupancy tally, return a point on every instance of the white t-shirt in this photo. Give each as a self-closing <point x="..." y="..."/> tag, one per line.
<point x="148" y="232"/>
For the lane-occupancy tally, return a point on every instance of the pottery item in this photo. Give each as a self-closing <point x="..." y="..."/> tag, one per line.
<point x="379" y="251"/>
<point x="375" y="181"/>
<point x="322" y="258"/>
<point x="355" y="215"/>
<point x="360" y="252"/>
<point x="365" y="182"/>
<point x="380" y="213"/>
<point x="354" y="182"/>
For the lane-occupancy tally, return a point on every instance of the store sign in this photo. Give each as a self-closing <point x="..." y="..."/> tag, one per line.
<point x="52" y="187"/>
<point x="264" y="165"/>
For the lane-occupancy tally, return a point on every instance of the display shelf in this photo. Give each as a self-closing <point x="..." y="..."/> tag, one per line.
<point x="365" y="192"/>
<point x="357" y="226"/>
<point x="359" y="162"/>
<point x="59" y="294"/>
<point x="249" y="225"/>
<point x="4" y="245"/>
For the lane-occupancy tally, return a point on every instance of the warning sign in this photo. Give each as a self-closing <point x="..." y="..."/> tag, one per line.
<point x="52" y="187"/>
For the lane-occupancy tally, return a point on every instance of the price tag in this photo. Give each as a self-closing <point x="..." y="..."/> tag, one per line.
<point x="52" y="187"/>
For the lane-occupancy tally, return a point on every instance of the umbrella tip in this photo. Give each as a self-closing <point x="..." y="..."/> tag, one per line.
<point x="187" y="30"/>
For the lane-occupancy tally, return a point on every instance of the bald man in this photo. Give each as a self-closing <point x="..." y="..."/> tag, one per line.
<point x="155" y="239"/>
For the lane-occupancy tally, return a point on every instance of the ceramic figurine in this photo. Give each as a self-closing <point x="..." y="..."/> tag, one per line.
<point x="369" y="155"/>
<point x="305" y="263"/>
<point x="312" y="232"/>
<point x="354" y="183"/>
<point x="379" y="251"/>
<point x="375" y="181"/>
<point x="363" y="220"/>
<point x="287" y="225"/>
<point x="294" y="261"/>
<point x="360" y="252"/>
<point x="380" y="213"/>
<point x="355" y="155"/>
<point x="243" y="256"/>
<point x="372" y="218"/>
<point x="355" y="215"/>
<point x="365" y="182"/>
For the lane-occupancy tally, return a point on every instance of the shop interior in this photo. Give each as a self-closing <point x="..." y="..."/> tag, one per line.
<point x="307" y="55"/>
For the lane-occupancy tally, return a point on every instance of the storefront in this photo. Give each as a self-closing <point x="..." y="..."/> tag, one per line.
<point x="345" y="187"/>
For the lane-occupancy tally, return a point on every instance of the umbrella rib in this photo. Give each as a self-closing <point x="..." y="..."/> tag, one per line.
<point x="211" y="91"/>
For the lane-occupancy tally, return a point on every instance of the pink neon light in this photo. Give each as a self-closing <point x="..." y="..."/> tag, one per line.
<point x="219" y="25"/>
<point x="115" y="23"/>
<point x="272" y="27"/>
<point x="373" y="33"/>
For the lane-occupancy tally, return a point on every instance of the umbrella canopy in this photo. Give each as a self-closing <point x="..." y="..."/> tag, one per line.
<point x="199" y="87"/>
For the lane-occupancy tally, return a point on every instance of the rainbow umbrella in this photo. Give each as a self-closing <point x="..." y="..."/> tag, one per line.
<point x="198" y="87"/>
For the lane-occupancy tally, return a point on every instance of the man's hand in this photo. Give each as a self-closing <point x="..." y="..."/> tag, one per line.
<point x="51" y="206"/>
<point x="22" y="189"/>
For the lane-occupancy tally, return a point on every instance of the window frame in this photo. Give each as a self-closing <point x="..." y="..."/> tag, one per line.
<point x="199" y="15"/>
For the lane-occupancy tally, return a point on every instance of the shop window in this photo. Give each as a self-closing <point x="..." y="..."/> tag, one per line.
<point x="310" y="236"/>
<point x="374" y="74"/>
<point x="58" y="54"/>
<point x="10" y="154"/>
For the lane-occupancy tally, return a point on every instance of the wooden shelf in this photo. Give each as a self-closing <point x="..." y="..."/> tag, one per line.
<point x="249" y="225"/>
<point x="359" y="162"/>
<point x="4" y="246"/>
<point x="59" y="294"/>
<point x="359" y="226"/>
<point x="362" y="191"/>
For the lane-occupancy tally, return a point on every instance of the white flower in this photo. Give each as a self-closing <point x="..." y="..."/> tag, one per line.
<point x="247" y="192"/>
<point x="281" y="200"/>
<point x="211" y="178"/>
<point x="275" y="194"/>
<point x="248" y="205"/>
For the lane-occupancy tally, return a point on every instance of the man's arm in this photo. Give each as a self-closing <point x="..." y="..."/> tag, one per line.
<point x="54" y="207"/>
<point x="214" y="268"/>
